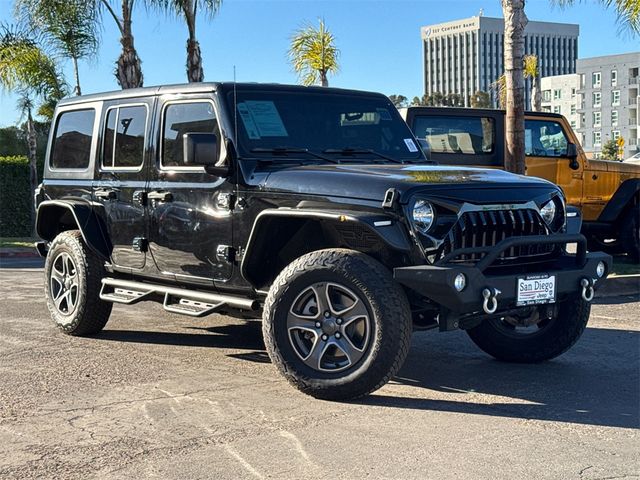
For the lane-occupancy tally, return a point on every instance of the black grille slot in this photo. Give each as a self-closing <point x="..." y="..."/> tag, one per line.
<point x="481" y="229"/>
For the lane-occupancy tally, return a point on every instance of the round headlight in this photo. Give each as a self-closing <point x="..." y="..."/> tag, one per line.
<point x="600" y="269"/>
<point x="548" y="212"/>
<point x="422" y="215"/>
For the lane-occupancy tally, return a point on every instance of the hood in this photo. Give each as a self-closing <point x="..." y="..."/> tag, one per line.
<point x="370" y="182"/>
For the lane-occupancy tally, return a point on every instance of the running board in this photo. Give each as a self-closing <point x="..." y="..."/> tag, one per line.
<point x="176" y="300"/>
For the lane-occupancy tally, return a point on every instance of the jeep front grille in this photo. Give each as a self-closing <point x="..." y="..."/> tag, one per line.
<point x="482" y="229"/>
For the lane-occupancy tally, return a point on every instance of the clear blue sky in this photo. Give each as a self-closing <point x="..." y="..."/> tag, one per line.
<point x="379" y="41"/>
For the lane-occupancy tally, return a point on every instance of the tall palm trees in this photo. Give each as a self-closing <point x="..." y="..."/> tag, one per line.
<point x="314" y="55"/>
<point x="188" y="9"/>
<point x="68" y="26"/>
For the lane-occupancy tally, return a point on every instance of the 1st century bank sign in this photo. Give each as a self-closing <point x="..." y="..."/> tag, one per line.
<point x="450" y="28"/>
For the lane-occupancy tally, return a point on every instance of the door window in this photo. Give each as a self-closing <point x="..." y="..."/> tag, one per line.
<point x="124" y="136"/>
<point x="544" y="139"/>
<point x="181" y="118"/>
<point x="72" y="140"/>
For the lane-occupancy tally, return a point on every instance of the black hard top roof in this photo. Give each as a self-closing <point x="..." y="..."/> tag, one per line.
<point x="475" y="111"/>
<point x="203" y="87"/>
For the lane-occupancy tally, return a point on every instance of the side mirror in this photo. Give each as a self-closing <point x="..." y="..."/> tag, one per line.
<point x="201" y="149"/>
<point x="572" y="154"/>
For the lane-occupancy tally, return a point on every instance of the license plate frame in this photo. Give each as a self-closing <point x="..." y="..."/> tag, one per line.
<point x="539" y="289"/>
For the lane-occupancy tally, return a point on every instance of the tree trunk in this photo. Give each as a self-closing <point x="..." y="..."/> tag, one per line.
<point x="33" y="167"/>
<point x="77" y="76"/>
<point x="195" y="73"/>
<point x="514" y="22"/>
<point x="128" y="67"/>
<point x="536" y="94"/>
<point x="323" y="78"/>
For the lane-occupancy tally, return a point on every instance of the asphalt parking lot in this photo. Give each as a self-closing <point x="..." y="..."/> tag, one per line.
<point x="164" y="396"/>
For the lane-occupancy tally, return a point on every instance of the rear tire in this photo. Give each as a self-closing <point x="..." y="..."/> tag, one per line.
<point x="553" y="337"/>
<point x="336" y="324"/>
<point x="73" y="275"/>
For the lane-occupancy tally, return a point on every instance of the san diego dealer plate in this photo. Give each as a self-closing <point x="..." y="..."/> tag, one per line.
<point x="536" y="290"/>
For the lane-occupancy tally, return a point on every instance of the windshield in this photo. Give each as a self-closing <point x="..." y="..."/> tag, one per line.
<point x="338" y="126"/>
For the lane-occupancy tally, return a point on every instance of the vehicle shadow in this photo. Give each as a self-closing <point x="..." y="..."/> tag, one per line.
<point x="597" y="382"/>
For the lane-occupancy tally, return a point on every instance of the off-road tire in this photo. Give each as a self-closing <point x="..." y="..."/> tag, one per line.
<point x="389" y="312"/>
<point x="549" y="342"/>
<point x="630" y="233"/>
<point x="90" y="314"/>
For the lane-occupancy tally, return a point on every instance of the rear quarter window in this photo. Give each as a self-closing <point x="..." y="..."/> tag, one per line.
<point x="71" y="147"/>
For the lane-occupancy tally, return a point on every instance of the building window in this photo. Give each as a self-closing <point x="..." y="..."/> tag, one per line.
<point x="597" y="99"/>
<point x="615" y="134"/>
<point x="596" y="119"/>
<point x="557" y="94"/>
<point x="614" y="118"/>
<point x="614" y="78"/>
<point x="573" y="109"/>
<point x="546" y="108"/>
<point x="546" y="96"/>
<point x="596" y="139"/>
<point x="556" y="109"/>
<point x="596" y="79"/>
<point x="615" y="98"/>
<point x="633" y="141"/>
<point x="573" y="124"/>
<point x="573" y="93"/>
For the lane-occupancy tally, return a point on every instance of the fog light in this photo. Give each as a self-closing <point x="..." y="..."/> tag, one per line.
<point x="600" y="269"/>
<point x="460" y="282"/>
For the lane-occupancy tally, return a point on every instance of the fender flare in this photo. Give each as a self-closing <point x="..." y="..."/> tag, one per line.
<point x="91" y="226"/>
<point x="620" y="200"/>
<point x="386" y="229"/>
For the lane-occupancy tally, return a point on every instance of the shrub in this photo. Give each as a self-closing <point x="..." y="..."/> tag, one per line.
<point x="15" y="197"/>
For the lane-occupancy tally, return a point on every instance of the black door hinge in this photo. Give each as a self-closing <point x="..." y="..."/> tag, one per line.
<point x="140" y="197"/>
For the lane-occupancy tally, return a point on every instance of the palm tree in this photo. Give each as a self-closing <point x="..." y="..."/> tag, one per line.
<point x="532" y="71"/>
<point x="313" y="54"/>
<point x="189" y="9"/>
<point x="515" y="21"/>
<point x="68" y="26"/>
<point x="399" y="101"/>
<point x="128" y="66"/>
<point x="26" y="69"/>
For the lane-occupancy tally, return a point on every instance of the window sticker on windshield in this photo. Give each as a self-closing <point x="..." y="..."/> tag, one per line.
<point x="247" y="120"/>
<point x="384" y="114"/>
<point x="266" y="118"/>
<point x="410" y="145"/>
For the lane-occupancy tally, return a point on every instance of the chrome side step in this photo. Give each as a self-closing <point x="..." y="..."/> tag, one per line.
<point x="177" y="300"/>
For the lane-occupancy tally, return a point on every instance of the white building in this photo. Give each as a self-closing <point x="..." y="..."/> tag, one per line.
<point x="464" y="56"/>
<point x="560" y="95"/>
<point x="601" y="101"/>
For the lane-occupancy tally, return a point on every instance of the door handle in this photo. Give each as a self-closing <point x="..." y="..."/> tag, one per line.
<point x="106" y="193"/>
<point x="160" y="196"/>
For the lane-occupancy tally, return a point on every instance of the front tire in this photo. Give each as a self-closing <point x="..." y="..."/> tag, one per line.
<point x="336" y="325"/>
<point x="549" y="338"/>
<point x="73" y="275"/>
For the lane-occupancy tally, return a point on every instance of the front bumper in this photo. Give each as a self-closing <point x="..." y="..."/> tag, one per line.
<point x="436" y="282"/>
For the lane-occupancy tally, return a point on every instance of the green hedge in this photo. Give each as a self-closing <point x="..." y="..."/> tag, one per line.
<point x="15" y="197"/>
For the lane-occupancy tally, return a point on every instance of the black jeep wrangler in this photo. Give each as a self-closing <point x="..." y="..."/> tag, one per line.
<point x="312" y="208"/>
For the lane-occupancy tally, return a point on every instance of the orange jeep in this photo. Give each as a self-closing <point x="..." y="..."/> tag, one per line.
<point x="606" y="192"/>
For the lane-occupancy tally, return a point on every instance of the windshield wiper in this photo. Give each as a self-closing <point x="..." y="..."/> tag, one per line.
<point x="286" y="150"/>
<point x="355" y="151"/>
